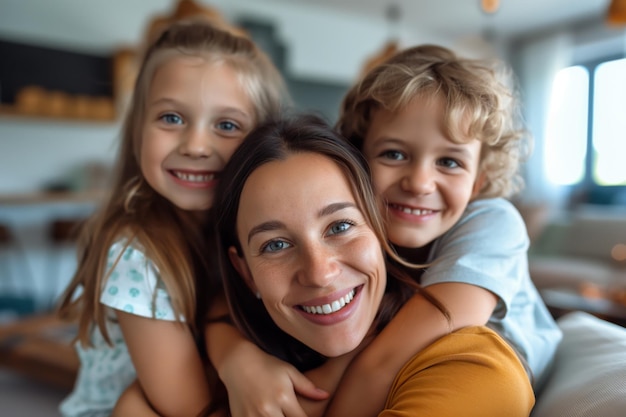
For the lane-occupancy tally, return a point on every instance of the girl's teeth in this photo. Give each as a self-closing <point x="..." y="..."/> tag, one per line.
<point x="416" y="212"/>
<point x="194" y="177"/>
<point x="332" y="307"/>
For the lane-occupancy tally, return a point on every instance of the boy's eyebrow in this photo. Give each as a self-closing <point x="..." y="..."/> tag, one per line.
<point x="461" y="150"/>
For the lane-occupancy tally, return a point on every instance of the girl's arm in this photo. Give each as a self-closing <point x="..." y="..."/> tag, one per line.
<point x="258" y="384"/>
<point x="169" y="368"/>
<point x="364" y="387"/>
<point x="132" y="402"/>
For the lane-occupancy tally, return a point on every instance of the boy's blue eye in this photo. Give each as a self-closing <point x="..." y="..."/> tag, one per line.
<point x="393" y="155"/>
<point x="171" y="118"/>
<point x="275" y="246"/>
<point x="449" y="163"/>
<point x="340" y="227"/>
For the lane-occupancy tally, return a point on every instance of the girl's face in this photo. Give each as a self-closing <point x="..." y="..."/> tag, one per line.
<point x="309" y="253"/>
<point x="426" y="180"/>
<point x="197" y="114"/>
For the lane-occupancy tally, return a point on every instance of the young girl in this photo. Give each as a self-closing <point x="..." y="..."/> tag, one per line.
<point x="145" y="269"/>
<point x="441" y="136"/>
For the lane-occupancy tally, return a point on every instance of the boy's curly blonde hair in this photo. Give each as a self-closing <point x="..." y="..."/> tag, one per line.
<point x="479" y="104"/>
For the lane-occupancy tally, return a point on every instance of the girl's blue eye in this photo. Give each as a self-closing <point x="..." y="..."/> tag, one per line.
<point x="393" y="155"/>
<point x="275" y="246"/>
<point x="171" y="118"/>
<point x="228" y="126"/>
<point x="340" y="227"/>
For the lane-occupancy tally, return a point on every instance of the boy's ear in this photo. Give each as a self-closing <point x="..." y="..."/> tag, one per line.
<point x="241" y="266"/>
<point x="478" y="184"/>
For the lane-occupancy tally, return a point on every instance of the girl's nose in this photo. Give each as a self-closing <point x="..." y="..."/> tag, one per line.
<point x="196" y="143"/>
<point x="419" y="179"/>
<point x="319" y="266"/>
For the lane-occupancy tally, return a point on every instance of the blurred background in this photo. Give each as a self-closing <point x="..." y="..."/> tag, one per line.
<point x="66" y="70"/>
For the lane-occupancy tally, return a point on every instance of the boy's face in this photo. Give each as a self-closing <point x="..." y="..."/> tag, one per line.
<point x="425" y="180"/>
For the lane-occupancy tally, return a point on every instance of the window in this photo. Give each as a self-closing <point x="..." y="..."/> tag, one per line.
<point x="585" y="144"/>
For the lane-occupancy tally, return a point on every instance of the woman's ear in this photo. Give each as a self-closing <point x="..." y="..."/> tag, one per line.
<point x="241" y="266"/>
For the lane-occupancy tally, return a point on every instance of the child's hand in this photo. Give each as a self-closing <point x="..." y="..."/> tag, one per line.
<point x="260" y="385"/>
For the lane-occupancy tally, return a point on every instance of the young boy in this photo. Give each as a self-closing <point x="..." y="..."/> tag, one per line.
<point x="441" y="136"/>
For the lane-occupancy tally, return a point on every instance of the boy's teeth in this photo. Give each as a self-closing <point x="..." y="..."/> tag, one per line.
<point x="194" y="177"/>
<point x="332" y="307"/>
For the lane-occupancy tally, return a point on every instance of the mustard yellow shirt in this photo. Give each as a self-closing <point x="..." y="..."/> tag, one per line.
<point x="471" y="372"/>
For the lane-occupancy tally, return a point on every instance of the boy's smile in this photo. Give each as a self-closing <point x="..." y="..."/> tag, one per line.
<point x="426" y="180"/>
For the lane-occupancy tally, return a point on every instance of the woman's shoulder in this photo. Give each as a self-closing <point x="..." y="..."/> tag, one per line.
<point x="474" y="362"/>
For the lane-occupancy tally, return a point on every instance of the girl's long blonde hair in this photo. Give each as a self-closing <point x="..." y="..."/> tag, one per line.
<point x="174" y="240"/>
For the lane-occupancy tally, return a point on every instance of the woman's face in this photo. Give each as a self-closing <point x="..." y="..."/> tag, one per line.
<point x="309" y="253"/>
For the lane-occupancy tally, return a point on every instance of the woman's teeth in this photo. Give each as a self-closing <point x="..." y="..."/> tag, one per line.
<point x="332" y="307"/>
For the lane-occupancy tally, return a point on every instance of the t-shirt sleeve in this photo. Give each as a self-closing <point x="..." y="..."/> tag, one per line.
<point x="488" y="247"/>
<point x="134" y="286"/>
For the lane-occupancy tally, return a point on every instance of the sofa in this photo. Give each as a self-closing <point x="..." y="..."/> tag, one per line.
<point x="588" y="376"/>
<point x="585" y="247"/>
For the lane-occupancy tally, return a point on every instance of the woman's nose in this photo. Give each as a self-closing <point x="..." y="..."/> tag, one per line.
<point x="419" y="179"/>
<point x="196" y="143"/>
<point x="319" y="266"/>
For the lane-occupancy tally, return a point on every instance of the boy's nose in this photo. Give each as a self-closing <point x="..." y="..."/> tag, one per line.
<point x="318" y="267"/>
<point x="197" y="143"/>
<point x="419" y="180"/>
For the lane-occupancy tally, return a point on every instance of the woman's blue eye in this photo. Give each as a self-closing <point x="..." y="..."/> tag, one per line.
<point x="340" y="227"/>
<point x="226" y="125"/>
<point x="275" y="246"/>
<point x="173" y="119"/>
<point x="394" y="155"/>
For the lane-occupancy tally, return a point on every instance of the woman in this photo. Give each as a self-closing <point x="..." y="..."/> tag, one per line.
<point x="303" y="261"/>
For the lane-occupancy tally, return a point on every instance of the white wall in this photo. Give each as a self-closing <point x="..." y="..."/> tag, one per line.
<point x="35" y="152"/>
<point x="321" y="46"/>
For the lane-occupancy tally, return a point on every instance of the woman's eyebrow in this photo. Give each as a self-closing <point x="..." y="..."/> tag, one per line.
<point x="334" y="207"/>
<point x="265" y="227"/>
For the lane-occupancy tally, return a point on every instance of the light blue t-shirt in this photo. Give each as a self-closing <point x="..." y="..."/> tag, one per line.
<point x="105" y="371"/>
<point x="488" y="248"/>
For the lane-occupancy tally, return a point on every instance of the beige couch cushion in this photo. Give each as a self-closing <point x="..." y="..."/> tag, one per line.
<point x="589" y="374"/>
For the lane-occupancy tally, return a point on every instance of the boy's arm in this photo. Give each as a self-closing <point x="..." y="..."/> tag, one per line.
<point x="364" y="387"/>
<point x="258" y="384"/>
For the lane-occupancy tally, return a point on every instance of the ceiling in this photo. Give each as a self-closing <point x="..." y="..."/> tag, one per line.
<point x="457" y="18"/>
<point x="107" y="22"/>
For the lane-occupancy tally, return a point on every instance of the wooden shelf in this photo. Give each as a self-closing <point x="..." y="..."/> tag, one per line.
<point x="14" y="112"/>
<point x="51" y="197"/>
